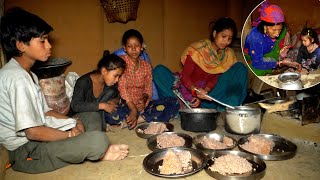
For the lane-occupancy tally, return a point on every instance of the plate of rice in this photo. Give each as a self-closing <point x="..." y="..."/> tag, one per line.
<point x="234" y="165"/>
<point x="175" y="162"/>
<point x="209" y="142"/>
<point x="146" y="130"/>
<point x="168" y="140"/>
<point x="268" y="146"/>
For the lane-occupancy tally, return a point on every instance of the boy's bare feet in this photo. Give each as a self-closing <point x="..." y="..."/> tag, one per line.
<point x="116" y="152"/>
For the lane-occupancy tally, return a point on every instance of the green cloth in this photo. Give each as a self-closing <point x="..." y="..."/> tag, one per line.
<point x="274" y="53"/>
<point x="49" y="156"/>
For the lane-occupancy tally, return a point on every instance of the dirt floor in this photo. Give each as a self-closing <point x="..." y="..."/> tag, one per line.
<point x="305" y="164"/>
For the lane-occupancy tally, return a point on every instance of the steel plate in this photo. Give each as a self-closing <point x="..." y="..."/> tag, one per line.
<point x="258" y="165"/>
<point x="152" y="141"/>
<point x="283" y="149"/>
<point x="140" y="129"/>
<point x="219" y="137"/>
<point x="152" y="162"/>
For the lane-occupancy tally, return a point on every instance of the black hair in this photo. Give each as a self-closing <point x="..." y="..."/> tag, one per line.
<point x="110" y="62"/>
<point x="20" y="25"/>
<point x="131" y="33"/>
<point x="222" y="24"/>
<point x="261" y="25"/>
<point x="311" y="33"/>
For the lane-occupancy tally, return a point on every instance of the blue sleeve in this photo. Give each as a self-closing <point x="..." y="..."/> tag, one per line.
<point x="255" y="44"/>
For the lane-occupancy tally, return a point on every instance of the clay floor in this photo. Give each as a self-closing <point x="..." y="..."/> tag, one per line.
<point x="305" y="164"/>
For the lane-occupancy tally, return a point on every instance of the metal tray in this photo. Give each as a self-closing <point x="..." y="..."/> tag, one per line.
<point x="140" y="129"/>
<point x="152" y="141"/>
<point x="197" y="142"/>
<point x="152" y="162"/>
<point x="258" y="165"/>
<point x="283" y="149"/>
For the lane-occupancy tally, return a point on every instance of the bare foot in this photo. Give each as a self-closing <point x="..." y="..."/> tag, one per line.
<point x="116" y="152"/>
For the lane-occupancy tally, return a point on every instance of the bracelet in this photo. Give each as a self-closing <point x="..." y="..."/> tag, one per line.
<point x="280" y="62"/>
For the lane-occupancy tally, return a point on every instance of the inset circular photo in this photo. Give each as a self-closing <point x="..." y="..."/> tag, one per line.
<point x="280" y="43"/>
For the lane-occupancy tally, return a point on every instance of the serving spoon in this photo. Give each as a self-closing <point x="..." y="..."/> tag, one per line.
<point x="231" y="107"/>
<point x="181" y="98"/>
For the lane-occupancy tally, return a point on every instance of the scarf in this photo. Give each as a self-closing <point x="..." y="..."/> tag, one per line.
<point x="207" y="58"/>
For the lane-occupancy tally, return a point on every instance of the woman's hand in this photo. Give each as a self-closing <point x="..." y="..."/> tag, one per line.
<point x="195" y="102"/>
<point x="202" y="94"/>
<point x="109" y="106"/>
<point x="290" y="63"/>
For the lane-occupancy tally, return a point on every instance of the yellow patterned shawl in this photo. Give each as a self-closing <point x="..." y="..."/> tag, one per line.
<point x="206" y="57"/>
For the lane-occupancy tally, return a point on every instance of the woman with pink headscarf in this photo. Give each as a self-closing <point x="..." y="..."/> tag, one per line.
<point x="266" y="44"/>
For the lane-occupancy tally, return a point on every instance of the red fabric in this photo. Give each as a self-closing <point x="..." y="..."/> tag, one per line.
<point x="272" y="14"/>
<point x="192" y="74"/>
<point x="133" y="84"/>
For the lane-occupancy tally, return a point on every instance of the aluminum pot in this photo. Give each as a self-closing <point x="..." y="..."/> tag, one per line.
<point x="243" y="120"/>
<point x="290" y="81"/>
<point x="198" y="119"/>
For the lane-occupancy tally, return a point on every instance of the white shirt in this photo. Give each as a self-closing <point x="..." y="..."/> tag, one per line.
<point x="22" y="105"/>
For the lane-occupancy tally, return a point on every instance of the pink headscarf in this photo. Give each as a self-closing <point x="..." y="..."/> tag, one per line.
<point x="269" y="13"/>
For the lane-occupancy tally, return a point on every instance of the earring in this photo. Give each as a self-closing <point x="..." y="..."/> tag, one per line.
<point x="265" y="30"/>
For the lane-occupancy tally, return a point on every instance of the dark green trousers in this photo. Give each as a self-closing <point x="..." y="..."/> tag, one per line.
<point x="49" y="156"/>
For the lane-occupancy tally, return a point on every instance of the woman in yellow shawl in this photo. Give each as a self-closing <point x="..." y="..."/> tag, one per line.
<point x="210" y="66"/>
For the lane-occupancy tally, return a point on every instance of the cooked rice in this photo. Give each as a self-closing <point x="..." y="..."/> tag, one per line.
<point x="156" y="128"/>
<point x="231" y="164"/>
<point x="169" y="140"/>
<point x="258" y="144"/>
<point x="176" y="162"/>
<point x="215" y="144"/>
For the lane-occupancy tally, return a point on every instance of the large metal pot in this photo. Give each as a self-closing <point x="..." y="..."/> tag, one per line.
<point x="290" y="81"/>
<point x="198" y="119"/>
<point x="243" y="120"/>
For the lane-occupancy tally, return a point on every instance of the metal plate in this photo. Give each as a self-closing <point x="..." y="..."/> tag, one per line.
<point x="152" y="141"/>
<point x="282" y="150"/>
<point x="219" y="137"/>
<point x="152" y="162"/>
<point x="258" y="165"/>
<point x="140" y="129"/>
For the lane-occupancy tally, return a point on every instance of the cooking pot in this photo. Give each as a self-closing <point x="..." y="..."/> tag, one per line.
<point x="198" y="119"/>
<point x="243" y="120"/>
<point x="290" y="81"/>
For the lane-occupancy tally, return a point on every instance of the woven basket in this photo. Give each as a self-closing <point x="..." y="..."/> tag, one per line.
<point x="120" y="10"/>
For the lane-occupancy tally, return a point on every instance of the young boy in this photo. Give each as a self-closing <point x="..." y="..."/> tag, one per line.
<point x="38" y="138"/>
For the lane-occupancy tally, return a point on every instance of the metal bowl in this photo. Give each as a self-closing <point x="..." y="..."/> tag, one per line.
<point x="140" y="129"/>
<point x="53" y="67"/>
<point x="152" y="141"/>
<point x="152" y="162"/>
<point x="290" y="81"/>
<point x="219" y="137"/>
<point x="283" y="149"/>
<point x="258" y="165"/>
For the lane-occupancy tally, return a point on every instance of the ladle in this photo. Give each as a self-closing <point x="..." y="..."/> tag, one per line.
<point x="181" y="98"/>
<point x="231" y="107"/>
